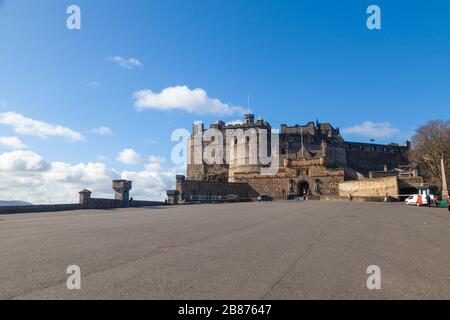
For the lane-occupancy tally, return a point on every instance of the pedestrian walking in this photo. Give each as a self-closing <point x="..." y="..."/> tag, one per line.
<point x="436" y="200"/>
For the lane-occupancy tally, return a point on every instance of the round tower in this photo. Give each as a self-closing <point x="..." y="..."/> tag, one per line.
<point x="244" y="147"/>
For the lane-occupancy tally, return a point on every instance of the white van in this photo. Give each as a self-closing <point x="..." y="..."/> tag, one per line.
<point x="412" y="200"/>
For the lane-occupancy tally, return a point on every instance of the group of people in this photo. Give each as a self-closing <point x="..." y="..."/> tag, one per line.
<point x="429" y="200"/>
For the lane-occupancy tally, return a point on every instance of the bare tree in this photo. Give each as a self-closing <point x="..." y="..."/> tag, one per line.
<point x="429" y="144"/>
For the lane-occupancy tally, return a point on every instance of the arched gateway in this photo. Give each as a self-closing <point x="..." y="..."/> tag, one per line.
<point x="303" y="188"/>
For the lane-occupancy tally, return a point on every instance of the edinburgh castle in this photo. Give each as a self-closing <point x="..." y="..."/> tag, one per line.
<point x="312" y="159"/>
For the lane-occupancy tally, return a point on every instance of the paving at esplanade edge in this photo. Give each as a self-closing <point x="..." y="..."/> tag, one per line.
<point x="278" y="250"/>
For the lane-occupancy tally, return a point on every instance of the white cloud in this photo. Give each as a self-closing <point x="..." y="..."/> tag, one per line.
<point x="93" y="84"/>
<point x="154" y="180"/>
<point x="80" y="173"/>
<point x="102" y="131"/>
<point x="63" y="181"/>
<point x="27" y="176"/>
<point x="129" y="156"/>
<point x="156" y="159"/>
<point x="28" y="126"/>
<point x="182" y="98"/>
<point x="129" y="63"/>
<point x="371" y="129"/>
<point x="22" y="161"/>
<point x="12" y="143"/>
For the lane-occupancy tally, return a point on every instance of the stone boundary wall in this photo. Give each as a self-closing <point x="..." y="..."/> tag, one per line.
<point x="139" y="203"/>
<point x="190" y="189"/>
<point x="42" y="208"/>
<point x="370" y="188"/>
<point x="94" y="203"/>
<point x="358" y="199"/>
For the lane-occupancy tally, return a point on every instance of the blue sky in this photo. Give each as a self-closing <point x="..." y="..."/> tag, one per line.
<point x="298" y="60"/>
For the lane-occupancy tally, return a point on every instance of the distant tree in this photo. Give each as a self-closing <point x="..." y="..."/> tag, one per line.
<point x="429" y="144"/>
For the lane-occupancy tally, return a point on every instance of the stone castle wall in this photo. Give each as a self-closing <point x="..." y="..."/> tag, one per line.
<point x="371" y="157"/>
<point x="290" y="181"/>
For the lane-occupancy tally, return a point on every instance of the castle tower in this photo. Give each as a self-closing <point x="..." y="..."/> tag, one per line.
<point x="249" y="118"/>
<point x="122" y="189"/>
<point x="195" y="165"/>
<point x="180" y="179"/>
<point x="244" y="148"/>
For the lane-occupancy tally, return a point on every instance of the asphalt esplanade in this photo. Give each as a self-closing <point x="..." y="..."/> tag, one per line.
<point x="278" y="250"/>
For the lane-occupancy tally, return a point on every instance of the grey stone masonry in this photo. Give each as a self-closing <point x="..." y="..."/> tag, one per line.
<point x="122" y="189"/>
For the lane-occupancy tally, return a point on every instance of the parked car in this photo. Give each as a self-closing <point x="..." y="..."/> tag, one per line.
<point x="412" y="200"/>
<point x="264" y="197"/>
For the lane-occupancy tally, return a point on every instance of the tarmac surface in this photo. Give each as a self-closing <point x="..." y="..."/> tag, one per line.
<point x="278" y="250"/>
